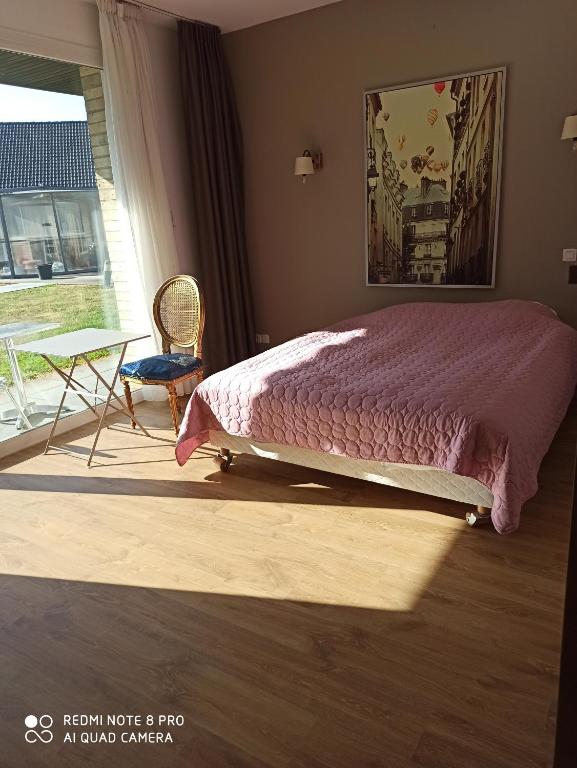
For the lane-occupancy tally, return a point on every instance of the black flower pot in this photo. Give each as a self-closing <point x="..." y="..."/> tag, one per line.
<point x="44" y="271"/>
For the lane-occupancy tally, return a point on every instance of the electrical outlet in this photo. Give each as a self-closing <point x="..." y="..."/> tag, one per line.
<point x="262" y="338"/>
<point x="570" y="254"/>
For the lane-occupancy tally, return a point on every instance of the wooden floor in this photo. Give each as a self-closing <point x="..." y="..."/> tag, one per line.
<point x="294" y="618"/>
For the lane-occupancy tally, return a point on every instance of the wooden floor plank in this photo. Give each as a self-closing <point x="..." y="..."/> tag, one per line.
<point x="296" y="619"/>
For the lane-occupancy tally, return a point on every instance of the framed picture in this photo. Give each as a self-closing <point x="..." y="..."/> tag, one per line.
<point x="433" y="166"/>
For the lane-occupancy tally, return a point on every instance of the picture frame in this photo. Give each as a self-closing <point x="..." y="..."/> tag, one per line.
<point x="433" y="155"/>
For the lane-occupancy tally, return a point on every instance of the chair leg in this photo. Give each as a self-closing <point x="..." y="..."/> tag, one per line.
<point x="22" y="420"/>
<point x="129" y="403"/>
<point x="172" y="399"/>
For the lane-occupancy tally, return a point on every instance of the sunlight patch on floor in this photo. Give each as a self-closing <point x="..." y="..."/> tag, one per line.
<point x="333" y="554"/>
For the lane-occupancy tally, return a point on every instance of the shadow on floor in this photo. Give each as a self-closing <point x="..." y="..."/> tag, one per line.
<point x="264" y="682"/>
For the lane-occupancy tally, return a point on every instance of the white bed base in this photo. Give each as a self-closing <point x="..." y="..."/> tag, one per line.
<point x="411" y="477"/>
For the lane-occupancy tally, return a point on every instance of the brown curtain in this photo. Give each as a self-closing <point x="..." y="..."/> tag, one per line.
<point x="216" y="158"/>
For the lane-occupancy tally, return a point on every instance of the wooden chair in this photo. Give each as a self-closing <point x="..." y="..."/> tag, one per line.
<point x="178" y="311"/>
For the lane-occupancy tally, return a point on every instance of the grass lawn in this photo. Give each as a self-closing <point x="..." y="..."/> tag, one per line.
<point x="73" y="307"/>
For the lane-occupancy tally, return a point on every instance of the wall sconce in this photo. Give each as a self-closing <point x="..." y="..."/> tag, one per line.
<point x="308" y="163"/>
<point x="372" y="173"/>
<point x="570" y="130"/>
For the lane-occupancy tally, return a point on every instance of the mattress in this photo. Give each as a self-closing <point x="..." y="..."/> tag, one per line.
<point x="477" y="390"/>
<point x="412" y="477"/>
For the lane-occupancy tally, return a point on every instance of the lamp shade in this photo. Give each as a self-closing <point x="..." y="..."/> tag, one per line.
<point x="304" y="166"/>
<point x="570" y="127"/>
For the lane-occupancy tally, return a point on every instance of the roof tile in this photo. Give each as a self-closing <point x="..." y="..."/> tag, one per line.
<point x="45" y="156"/>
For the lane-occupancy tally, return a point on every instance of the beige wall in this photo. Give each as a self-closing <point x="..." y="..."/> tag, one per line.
<point x="300" y="80"/>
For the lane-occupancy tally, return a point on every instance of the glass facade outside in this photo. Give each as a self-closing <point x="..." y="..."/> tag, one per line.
<point x="64" y="229"/>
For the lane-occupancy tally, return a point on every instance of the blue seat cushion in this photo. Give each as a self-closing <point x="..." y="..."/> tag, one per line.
<point x="162" y="367"/>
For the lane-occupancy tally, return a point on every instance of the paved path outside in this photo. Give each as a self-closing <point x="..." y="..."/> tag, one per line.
<point x="23" y="284"/>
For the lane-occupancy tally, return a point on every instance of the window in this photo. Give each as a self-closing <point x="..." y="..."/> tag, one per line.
<point x="58" y="219"/>
<point x="429" y="210"/>
<point x="30" y="234"/>
<point x="82" y="238"/>
<point x="4" y="261"/>
<point x="413" y="213"/>
<point x="60" y="228"/>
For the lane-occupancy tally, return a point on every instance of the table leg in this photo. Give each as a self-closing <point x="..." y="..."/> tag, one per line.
<point x="111" y="394"/>
<point x="122" y="407"/>
<point x="23" y="417"/>
<point x="70" y="381"/>
<point x="62" y="399"/>
<point x="16" y="374"/>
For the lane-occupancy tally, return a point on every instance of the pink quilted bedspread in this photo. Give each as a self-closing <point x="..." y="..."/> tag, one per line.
<point x="476" y="389"/>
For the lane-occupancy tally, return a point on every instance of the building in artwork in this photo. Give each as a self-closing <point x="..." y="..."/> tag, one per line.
<point x="374" y="245"/>
<point x="425" y="226"/>
<point x="474" y="178"/>
<point x="390" y="204"/>
<point x="384" y="202"/>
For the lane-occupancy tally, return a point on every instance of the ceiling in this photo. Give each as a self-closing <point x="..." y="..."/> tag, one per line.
<point x="33" y="72"/>
<point x="237" y="14"/>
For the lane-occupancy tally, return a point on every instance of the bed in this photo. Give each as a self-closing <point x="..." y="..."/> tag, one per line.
<point x="457" y="400"/>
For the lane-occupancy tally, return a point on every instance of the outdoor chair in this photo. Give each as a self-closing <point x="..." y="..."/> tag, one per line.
<point x="178" y="311"/>
<point x="22" y="418"/>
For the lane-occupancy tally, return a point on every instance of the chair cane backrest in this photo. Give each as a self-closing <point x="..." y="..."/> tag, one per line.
<point x="178" y="311"/>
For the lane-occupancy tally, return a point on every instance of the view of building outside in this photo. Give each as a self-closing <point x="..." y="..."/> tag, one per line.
<point x="62" y="226"/>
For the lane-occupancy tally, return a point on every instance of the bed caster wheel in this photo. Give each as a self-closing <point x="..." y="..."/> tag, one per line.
<point x="481" y="516"/>
<point x="223" y="459"/>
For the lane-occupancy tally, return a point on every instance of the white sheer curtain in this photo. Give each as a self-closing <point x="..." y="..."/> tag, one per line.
<point x="132" y="124"/>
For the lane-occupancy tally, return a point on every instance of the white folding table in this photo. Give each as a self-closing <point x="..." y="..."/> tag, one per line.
<point x="7" y="334"/>
<point x="77" y="345"/>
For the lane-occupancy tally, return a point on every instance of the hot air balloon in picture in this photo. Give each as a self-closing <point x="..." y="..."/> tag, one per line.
<point x="386" y="116"/>
<point x="430" y="149"/>
<point x="437" y="166"/>
<point x="419" y="163"/>
<point x="401" y="142"/>
<point x="432" y="116"/>
<point x="403" y="164"/>
<point x="439" y="88"/>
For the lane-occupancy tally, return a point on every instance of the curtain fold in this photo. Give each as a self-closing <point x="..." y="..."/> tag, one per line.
<point x="216" y="157"/>
<point x="132" y="125"/>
